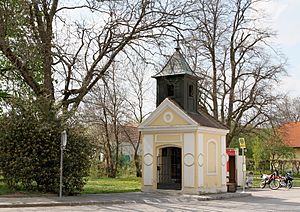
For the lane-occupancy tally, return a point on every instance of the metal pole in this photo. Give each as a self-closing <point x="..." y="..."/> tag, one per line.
<point x="61" y="171"/>
<point x="244" y="169"/>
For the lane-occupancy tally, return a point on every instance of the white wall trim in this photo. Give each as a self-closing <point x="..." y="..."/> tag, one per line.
<point x="223" y="159"/>
<point x="200" y="157"/>
<point x="176" y="128"/>
<point x="148" y="141"/>
<point x="188" y="160"/>
<point x="211" y="130"/>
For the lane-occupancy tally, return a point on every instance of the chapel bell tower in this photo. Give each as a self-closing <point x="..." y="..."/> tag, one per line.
<point x="178" y="82"/>
<point x="184" y="148"/>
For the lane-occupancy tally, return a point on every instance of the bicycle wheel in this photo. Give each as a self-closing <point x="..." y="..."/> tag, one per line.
<point x="274" y="184"/>
<point x="262" y="184"/>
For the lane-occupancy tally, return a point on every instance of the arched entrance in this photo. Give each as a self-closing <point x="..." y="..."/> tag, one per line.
<point x="169" y="168"/>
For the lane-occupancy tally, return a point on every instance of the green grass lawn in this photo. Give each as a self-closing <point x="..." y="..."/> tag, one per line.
<point x="112" y="185"/>
<point x="116" y="185"/>
<point x="95" y="186"/>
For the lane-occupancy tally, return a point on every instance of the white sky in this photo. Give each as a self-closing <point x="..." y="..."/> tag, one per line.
<point x="285" y="20"/>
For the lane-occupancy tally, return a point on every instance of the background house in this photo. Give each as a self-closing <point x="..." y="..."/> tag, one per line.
<point x="290" y="133"/>
<point x="130" y="139"/>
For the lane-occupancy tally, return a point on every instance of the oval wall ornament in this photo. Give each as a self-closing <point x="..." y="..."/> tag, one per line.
<point x="188" y="159"/>
<point x="148" y="159"/>
<point x="168" y="117"/>
<point x="224" y="159"/>
<point x="200" y="159"/>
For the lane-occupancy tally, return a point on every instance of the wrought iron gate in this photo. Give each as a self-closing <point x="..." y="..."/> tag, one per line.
<point x="169" y="168"/>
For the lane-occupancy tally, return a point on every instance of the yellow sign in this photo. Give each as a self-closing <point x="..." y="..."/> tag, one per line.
<point x="242" y="143"/>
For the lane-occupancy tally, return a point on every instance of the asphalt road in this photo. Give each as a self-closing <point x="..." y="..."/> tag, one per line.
<point x="261" y="200"/>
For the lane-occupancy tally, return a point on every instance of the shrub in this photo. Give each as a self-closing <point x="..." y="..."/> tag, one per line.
<point x="30" y="151"/>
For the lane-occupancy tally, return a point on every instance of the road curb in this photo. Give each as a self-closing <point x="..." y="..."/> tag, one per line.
<point x="108" y="202"/>
<point x="56" y="204"/>
<point x="224" y="196"/>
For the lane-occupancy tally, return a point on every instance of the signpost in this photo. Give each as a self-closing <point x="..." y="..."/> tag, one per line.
<point x="243" y="147"/>
<point x="62" y="148"/>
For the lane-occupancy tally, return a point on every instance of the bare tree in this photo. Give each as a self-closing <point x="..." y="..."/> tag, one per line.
<point x="129" y="89"/>
<point x="236" y="62"/>
<point x="286" y="110"/>
<point x="60" y="60"/>
<point x="138" y="87"/>
<point x="104" y="111"/>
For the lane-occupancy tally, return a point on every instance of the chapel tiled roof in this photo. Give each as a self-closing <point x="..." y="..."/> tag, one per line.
<point x="206" y="120"/>
<point x="203" y="118"/>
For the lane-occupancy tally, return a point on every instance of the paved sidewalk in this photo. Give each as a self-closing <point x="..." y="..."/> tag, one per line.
<point x="113" y="198"/>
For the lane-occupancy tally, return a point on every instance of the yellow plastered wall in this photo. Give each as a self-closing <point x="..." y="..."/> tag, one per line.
<point x="212" y="172"/>
<point x="177" y="120"/>
<point x="170" y="137"/>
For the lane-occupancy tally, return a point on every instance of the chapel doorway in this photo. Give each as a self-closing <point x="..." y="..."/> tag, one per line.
<point x="169" y="168"/>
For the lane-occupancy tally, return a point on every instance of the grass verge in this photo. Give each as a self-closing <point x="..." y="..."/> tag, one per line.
<point x="93" y="186"/>
<point x="112" y="185"/>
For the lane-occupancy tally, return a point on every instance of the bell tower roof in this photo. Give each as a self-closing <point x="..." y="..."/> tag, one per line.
<point x="176" y="65"/>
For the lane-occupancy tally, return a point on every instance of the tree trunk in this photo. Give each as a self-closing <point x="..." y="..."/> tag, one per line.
<point x="138" y="165"/>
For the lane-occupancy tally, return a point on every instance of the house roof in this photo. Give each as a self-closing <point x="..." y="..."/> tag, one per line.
<point x="290" y="133"/>
<point x="130" y="133"/>
<point x="176" y="65"/>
